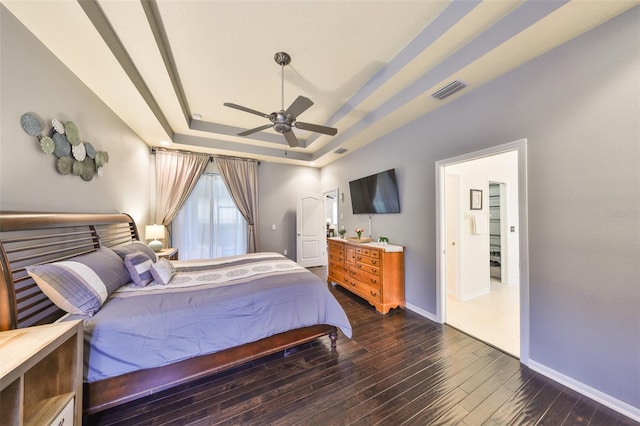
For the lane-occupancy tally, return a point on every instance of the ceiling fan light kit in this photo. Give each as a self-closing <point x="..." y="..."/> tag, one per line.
<point x="284" y="121"/>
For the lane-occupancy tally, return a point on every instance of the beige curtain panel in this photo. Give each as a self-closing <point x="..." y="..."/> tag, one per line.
<point x="176" y="175"/>
<point x="241" y="179"/>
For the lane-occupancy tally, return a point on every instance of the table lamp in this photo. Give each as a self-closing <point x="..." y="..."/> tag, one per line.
<point x="155" y="233"/>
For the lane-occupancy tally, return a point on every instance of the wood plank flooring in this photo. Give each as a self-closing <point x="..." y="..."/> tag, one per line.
<point x="397" y="369"/>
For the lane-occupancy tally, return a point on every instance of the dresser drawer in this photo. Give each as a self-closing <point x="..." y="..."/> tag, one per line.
<point x="375" y="270"/>
<point x="341" y="278"/>
<point x="368" y="252"/>
<point x="336" y="257"/>
<point x="337" y="266"/>
<point x="366" y="291"/>
<point x="368" y="260"/>
<point x="337" y="246"/>
<point x="365" y="277"/>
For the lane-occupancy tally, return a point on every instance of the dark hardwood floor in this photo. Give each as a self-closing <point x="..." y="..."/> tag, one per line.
<point x="397" y="369"/>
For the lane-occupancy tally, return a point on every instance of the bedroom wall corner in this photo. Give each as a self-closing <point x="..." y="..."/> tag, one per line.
<point x="278" y="186"/>
<point x="34" y="80"/>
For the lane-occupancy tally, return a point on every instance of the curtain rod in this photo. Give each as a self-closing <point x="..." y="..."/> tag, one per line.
<point x="153" y="150"/>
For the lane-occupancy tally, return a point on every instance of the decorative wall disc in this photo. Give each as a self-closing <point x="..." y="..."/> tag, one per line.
<point x="31" y="124"/>
<point x="47" y="145"/>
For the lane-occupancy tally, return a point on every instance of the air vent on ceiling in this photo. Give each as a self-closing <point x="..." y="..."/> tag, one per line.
<point x="449" y="90"/>
<point x="340" y="150"/>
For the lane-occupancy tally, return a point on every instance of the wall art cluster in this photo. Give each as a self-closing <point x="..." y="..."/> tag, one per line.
<point x="63" y="140"/>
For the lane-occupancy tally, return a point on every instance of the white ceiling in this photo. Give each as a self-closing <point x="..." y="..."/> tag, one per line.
<point x="370" y="66"/>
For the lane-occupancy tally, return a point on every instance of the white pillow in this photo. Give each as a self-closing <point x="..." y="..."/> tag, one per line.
<point x="162" y="271"/>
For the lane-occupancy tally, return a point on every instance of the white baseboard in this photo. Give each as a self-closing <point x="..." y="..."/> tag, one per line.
<point x="474" y="294"/>
<point x="599" y="396"/>
<point x="428" y="315"/>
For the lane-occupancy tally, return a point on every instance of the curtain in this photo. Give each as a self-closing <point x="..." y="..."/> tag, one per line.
<point x="176" y="175"/>
<point x="240" y="176"/>
<point x="209" y="225"/>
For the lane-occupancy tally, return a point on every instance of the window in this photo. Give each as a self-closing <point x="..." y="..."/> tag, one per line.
<point x="209" y="224"/>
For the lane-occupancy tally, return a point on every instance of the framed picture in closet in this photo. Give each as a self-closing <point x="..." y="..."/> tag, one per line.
<point x="476" y="199"/>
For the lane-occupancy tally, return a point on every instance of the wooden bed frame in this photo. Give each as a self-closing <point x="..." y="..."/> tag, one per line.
<point x="35" y="238"/>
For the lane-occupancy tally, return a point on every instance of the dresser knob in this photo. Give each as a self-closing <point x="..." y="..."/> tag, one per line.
<point x="374" y="262"/>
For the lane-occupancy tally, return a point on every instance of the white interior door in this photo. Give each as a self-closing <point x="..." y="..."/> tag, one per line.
<point x="311" y="237"/>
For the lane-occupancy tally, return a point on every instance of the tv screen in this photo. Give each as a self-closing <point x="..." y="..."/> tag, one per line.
<point x="375" y="194"/>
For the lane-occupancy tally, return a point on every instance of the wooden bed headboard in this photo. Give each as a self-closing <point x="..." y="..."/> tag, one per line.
<point x="36" y="238"/>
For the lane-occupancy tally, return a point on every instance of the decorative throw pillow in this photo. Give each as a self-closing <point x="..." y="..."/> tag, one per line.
<point x="135" y="246"/>
<point x="162" y="271"/>
<point x="139" y="266"/>
<point x="81" y="284"/>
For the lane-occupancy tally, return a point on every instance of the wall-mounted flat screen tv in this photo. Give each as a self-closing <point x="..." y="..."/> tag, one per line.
<point x="375" y="194"/>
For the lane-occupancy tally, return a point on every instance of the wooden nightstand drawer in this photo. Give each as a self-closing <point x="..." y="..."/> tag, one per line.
<point x="65" y="418"/>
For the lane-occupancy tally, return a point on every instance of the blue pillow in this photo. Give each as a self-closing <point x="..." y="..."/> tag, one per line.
<point x="139" y="266"/>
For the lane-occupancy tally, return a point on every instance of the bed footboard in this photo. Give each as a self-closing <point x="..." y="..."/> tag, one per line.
<point x="104" y="394"/>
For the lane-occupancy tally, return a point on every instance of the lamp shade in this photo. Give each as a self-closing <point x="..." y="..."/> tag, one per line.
<point x="155" y="233"/>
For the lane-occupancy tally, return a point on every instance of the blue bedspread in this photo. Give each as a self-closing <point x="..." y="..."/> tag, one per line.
<point x="208" y="306"/>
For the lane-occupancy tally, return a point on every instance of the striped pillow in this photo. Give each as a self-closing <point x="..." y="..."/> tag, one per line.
<point x="139" y="266"/>
<point x="134" y="246"/>
<point x="81" y="284"/>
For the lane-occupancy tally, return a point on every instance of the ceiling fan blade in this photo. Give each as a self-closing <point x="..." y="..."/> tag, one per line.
<point x="300" y="105"/>
<point x="257" y="129"/>
<point x="316" y="128"/>
<point x="245" y="109"/>
<point x="291" y="139"/>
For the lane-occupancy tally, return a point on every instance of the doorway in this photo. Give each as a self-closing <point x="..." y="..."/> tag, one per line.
<point x="331" y="211"/>
<point x="465" y="250"/>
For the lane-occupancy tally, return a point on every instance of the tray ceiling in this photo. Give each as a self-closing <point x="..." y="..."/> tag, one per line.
<point x="166" y="67"/>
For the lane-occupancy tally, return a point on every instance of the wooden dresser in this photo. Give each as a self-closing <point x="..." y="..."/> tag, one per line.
<point x="369" y="270"/>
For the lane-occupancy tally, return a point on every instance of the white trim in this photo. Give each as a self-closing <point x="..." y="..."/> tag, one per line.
<point x="428" y="315"/>
<point x="441" y="291"/>
<point x="586" y="390"/>
<point x="474" y="294"/>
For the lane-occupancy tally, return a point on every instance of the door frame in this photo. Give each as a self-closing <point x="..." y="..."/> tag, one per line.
<point x="441" y="285"/>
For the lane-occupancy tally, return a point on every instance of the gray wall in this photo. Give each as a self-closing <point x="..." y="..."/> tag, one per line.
<point x="33" y="80"/>
<point x="278" y="186"/>
<point x="578" y="106"/>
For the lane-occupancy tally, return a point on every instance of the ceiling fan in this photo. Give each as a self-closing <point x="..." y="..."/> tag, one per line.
<point x="284" y="120"/>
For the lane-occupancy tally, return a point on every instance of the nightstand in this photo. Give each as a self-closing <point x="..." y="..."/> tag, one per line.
<point x="168" y="253"/>
<point x="41" y="375"/>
